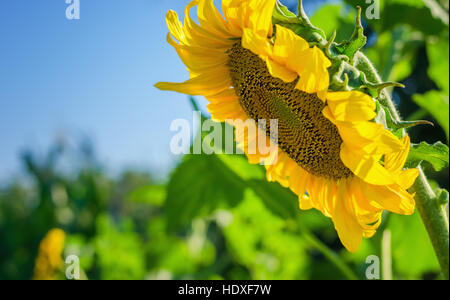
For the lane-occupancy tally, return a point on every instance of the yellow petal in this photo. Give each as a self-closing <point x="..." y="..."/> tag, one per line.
<point x="356" y="192"/>
<point x="366" y="137"/>
<point x="211" y="19"/>
<point x="235" y="11"/>
<point x="395" y="161"/>
<point x="323" y="193"/>
<point x="298" y="180"/>
<point x="288" y="49"/>
<point x="365" y="167"/>
<point x="206" y="84"/>
<point x="200" y="36"/>
<point x="260" y="20"/>
<point x="255" y="43"/>
<point x="225" y="96"/>
<point x="199" y="60"/>
<point x="315" y="77"/>
<point x="305" y="202"/>
<point x="369" y="233"/>
<point x="406" y="178"/>
<point x="278" y="71"/>
<point x="221" y="111"/>
<point x="351" y="106"/>
<point x="392" y="198"/>
<point x="248" y="140"/>
<point x="367" y="215"/>
<point x="348" y="229"/>
<point x="276" y="171"/>
<point x="175" y="27"/>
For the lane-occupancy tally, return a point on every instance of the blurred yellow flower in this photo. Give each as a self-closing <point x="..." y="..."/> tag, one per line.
<point x="49" y="260"/>
<point x="350" y="167"/>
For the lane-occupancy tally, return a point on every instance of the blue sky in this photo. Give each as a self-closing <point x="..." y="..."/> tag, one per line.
<point x="92" y="76"/>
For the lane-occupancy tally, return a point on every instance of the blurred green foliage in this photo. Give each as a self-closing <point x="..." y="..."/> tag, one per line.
<point x="217" y="217"/>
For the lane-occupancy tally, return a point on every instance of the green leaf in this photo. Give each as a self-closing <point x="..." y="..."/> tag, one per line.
<point x="115" y="240"/>
<point x="279" y="200"/>
<point x="357" y="41"/>
<point x="426" y="16"/>
<point x="167" y="252"/>
<point x="412" y="252"/>
<point x="438" y="54"/>
<point x="394" y="53"/>
<point x="152" y="194"/>
<point x="416" y="14"/>
<point x="242" y="168"/>
<point x="437" y="155"/>
<point x="259" y="240"/>
<point x="436" y="103"/>
<point x="200" y="185"/>
<point x="333" y="17"/>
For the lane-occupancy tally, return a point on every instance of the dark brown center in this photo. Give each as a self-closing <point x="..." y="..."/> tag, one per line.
<point x="304" y="133"/>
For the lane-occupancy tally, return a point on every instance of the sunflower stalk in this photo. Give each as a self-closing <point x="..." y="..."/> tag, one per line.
<point x="435" y="220"/>
<point x="431" y="211"/>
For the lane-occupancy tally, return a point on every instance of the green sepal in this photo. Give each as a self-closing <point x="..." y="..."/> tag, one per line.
<point x="397" y="125"/>
<point x="343" y="76"/>
<point x="300" y="24"/>
<point x="375" y="89"/>
<point x="282" y="14"/>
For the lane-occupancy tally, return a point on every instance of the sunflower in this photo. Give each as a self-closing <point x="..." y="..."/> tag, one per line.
<point x="332" y="153"/>
<point x="49" y="262"/>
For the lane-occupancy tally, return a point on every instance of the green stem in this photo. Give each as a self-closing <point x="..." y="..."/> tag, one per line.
<point x="364" y="64"/>
<point x="435" y="219"/>
<point x="386" y="255"/>
<point x="432" y="213"/>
